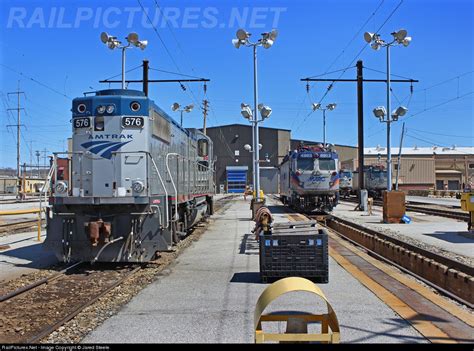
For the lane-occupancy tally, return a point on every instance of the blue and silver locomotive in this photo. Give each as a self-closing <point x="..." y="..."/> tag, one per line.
<point x="309" y="179"/>
<point x="137" y="181"/>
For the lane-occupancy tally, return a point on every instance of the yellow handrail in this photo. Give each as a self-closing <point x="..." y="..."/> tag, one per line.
<point x="30" y="211"/>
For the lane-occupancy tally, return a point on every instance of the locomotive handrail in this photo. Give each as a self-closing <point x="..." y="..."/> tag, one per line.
<point x="175" y="218"/>
<point x="80" y="153"/>
<point x="164" y="187"/>
<point x="159" y="176"/>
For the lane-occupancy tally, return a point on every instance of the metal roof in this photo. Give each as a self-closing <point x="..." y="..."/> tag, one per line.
<point x="434" y="150"/>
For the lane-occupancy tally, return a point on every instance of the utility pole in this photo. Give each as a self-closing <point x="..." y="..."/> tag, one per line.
<point x="38" y="154"/>
<point x="31" y="158"/>
<point x="18" y="126"/>
<point x="399" y="156"/>
<point x="360" y="122"/>
<point x="204" y="112"/>
<point x="45" y="152"/>
<point x="360" y="108"/>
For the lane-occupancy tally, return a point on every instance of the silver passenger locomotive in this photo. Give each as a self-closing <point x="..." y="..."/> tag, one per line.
<point x="136" y="182"/>
<point x="309" y="179"/>
<point x="375" y="180"/>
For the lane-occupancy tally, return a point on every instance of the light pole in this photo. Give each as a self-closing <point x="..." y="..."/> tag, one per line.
<point x="266" y="41"/>
<point x="399" y="37"/>
<point x="329" y="107"/>
<point x="113" y="43"/>
<point x="187" y="109"/>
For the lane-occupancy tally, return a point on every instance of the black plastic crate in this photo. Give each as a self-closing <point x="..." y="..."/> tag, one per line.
<point x="290" y="252"/>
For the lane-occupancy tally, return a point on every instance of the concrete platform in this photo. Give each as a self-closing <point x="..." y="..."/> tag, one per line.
<point x="209" y="296"/>
<point x="24" y="255"/>
<point x="444" y="233"/>
<point x="449" y="202"/>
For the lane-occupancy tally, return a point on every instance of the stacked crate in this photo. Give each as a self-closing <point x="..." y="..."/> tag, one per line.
<point x="294" y="249"/>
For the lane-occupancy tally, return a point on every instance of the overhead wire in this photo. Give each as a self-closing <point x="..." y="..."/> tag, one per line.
<point x="36" y="81"/>
<point x="193" y="96"/>
<point x="331" y="85"/>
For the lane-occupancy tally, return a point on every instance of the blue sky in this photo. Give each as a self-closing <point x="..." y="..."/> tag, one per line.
<point x="53" y="48"/>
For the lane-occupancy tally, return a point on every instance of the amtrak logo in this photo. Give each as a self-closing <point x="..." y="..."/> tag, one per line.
<point x="103" y="148"/>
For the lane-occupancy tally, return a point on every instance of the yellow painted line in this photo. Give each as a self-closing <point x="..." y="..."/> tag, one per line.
<point x="449" y="307"/>
<point x="427" y="329"/>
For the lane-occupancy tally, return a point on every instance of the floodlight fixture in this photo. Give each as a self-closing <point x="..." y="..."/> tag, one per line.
<point x="132" y="38"/>
<point x="406" y="41"/>
<point x="273" y="34"/>
<point x="237" y="43"/>
<point x="267" y="43"/>
<point x="369" y="36"/>
<point x="247" y="147"/>
<point x="175" y="106"/>
<point x="188" y="108"/>
<point x="331" y="107"/>
<point x="246" y="111"/>
<point x="104" y="37"/>
<point x="265" y="111"/>
<point x="242" y="34"/>
<point x="400" y="35"/>
<point x="380" y="112"/>
<point x="376" y="46"/>
<point x="142" y="44"/>
<point x="400" y="111"/>
<point x="316" y="106"/>
<point x="260" y="146"/>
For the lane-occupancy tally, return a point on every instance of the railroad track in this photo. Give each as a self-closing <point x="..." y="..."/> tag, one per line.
<point x="422" y="209"/>
<point x="34" y="311"/>
<point x="452" y="278"/>
<point x="13" y="227"/>
<point x="363" y="252"/>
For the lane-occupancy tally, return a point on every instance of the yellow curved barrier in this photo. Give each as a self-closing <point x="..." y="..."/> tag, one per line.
<point x="329" y="325"/>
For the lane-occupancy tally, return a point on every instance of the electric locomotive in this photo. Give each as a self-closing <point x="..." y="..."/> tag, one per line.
<point x="309" y="179"/>
<point x="137" y="181"/>
<point x="345" y="183"/>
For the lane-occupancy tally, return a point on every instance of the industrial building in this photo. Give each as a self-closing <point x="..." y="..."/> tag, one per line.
<point x="234" y="163"/>
<point x="425" y="168"/>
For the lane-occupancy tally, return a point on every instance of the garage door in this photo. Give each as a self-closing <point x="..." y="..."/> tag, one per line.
<point x="236" y="178"/>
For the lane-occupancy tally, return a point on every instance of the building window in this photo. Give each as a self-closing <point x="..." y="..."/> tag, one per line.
<point x="471" y="165"/>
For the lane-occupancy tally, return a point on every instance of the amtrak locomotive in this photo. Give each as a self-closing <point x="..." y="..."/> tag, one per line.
<point x="137" y="181"/>
<point x="309" y="179"/>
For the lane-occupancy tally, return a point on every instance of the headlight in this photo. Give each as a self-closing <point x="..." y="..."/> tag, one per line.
<point x="100" y="109"/>
<point x="135" y="106"/>
<point x="138" y="186"/>
<point x="81" y="108"/>
<point x="110" y="109"/>
<point x="61" y="187"/>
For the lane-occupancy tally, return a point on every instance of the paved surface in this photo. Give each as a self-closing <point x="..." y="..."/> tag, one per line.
<point x="450" y="202"/>
<point x="209" y="296"/>
<point x="24" y="255"/>
<point x="445" y="233"/>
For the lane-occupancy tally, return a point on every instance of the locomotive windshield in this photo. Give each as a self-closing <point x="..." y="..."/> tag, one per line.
<point x="305" y="164"/>
<point x="346" y="174"/>
<point x="327" y="165"/>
